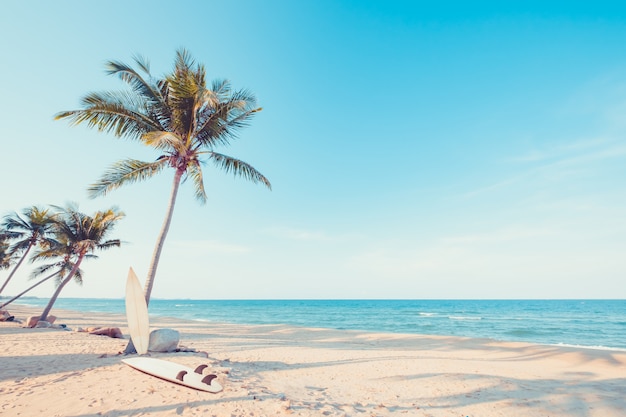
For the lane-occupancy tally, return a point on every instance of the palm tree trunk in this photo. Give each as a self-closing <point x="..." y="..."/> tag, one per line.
<point x="69" y="277"/>
<point x="15" y="268"/>
<point x="162" y="235"/>
<point x="27" y="290"/>
<point x="130" y="347"/>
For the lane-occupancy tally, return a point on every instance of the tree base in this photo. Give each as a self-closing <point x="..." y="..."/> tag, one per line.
<point x="130" y="348"/>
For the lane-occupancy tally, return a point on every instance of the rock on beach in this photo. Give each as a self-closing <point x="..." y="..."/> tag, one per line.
<point x="163" y="340"/>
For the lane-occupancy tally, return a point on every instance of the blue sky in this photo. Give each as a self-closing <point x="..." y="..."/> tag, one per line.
<point x="459" y="150"/>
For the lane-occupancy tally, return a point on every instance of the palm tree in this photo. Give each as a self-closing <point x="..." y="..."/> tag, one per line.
<point x="83" y="235"/>
<point x="179" y="116"/>
<point x="61" y="254"/>
<point x="30" y="230"/>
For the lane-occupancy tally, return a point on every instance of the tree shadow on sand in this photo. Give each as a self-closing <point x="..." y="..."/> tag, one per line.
<point x="578" y="395"/>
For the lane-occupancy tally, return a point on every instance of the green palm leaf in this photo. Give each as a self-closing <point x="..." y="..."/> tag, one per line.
<point x="127" y="74"/>
<point x="108" y="113"/>
<point x="124" y="172"/>
<point x="238" y="168"/>
<point x="195" y="173"/>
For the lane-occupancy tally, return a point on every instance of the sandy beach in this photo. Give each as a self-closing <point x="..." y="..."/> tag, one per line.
<point x="277" y="370"/>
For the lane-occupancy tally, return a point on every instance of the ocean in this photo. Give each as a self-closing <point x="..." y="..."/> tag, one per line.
<point x="599" y="324"/>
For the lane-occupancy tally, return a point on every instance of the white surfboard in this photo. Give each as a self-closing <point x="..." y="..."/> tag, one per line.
<point x="137" y="314"/>
<point x="176" y="373"/>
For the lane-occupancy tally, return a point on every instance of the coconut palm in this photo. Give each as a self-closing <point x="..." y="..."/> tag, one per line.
<point x="179" y="116"/>
<point x="61" y="254"/>
<point x="28" y="230"/>
<point x="83" y="235"/>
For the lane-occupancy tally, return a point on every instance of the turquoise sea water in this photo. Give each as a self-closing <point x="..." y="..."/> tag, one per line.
<point x="589" y="323"/>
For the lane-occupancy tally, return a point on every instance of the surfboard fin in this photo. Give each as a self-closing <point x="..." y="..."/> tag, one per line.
<point x="200" y="368"/>
<point x="180" y="375"/>
<point x="207" y="379"/>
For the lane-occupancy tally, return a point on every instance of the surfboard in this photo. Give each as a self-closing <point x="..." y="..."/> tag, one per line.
<point x="176" y="373"/>
<point x="137" y="314"/>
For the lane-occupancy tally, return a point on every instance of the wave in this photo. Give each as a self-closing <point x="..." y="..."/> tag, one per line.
<point x="464" y="318"/>
<point x="599" y="347"/>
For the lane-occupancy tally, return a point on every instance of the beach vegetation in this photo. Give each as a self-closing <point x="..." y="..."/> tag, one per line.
<point x="58" y="262"/>
<point x="32" y="228"/>
<point x="5" y="256"/>
<point x="80" y="235"/>
<point x="181" y="117"/>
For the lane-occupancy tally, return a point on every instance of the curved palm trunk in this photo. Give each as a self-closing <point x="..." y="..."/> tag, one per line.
<point x="15" y="268"/>
<point x="69" y="277"/>
<point x="162" y="235"/>
<point x="30" y="288"/>
<point x="130" y="347"/>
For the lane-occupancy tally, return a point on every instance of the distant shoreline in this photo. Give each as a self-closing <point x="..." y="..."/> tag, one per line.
<point x="592" y="324"/>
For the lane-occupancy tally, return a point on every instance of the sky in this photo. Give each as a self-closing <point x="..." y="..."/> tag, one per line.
<point x="416" y="150"/>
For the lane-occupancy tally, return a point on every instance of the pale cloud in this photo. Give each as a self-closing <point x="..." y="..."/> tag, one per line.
<point x="571" y="164"/>
<point x="558" y="163"/>
<point x="602" y="97"/>
<point x="501" y="184"/>
<point x="558" y="151"/>
<point x="299" y="234"/>
<point x="509" y="234"/>
<point x="584" y="155"/>
<point x="208" y="246"/>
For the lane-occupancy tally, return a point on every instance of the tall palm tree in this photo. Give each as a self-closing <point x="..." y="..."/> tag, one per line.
<point x="61" y="254"/>
<point x="179" y="116"/>
<point x="27" y="231"/>
<point x="83" y="234"/>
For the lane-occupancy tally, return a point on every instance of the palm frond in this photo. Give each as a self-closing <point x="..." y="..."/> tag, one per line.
<point x="164" y="141"/>
<point x="219" y="123"/>
<point x="47" y="242"/>
<point x="14" y="223"/>
<point x="5" y="256"/>
<point x="115" y="113"/>
<point x="109" y="244"/>
<point x="141" y="86"/>
<point x="10" y="234"/>
<point x="194" y="171"/>
<point x="238" y="168"/>
<point x="19" y="246"/>
<point x="44" y="269"/>
<point x="142" y="62"/>
<point x="183" y="61"/>
<point x="124" y="172"/>
<point x="221" y="88"/>
<point x="78" y="277"/>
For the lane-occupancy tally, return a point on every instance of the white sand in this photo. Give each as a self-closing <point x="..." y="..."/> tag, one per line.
<point x="282" y="370"/>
